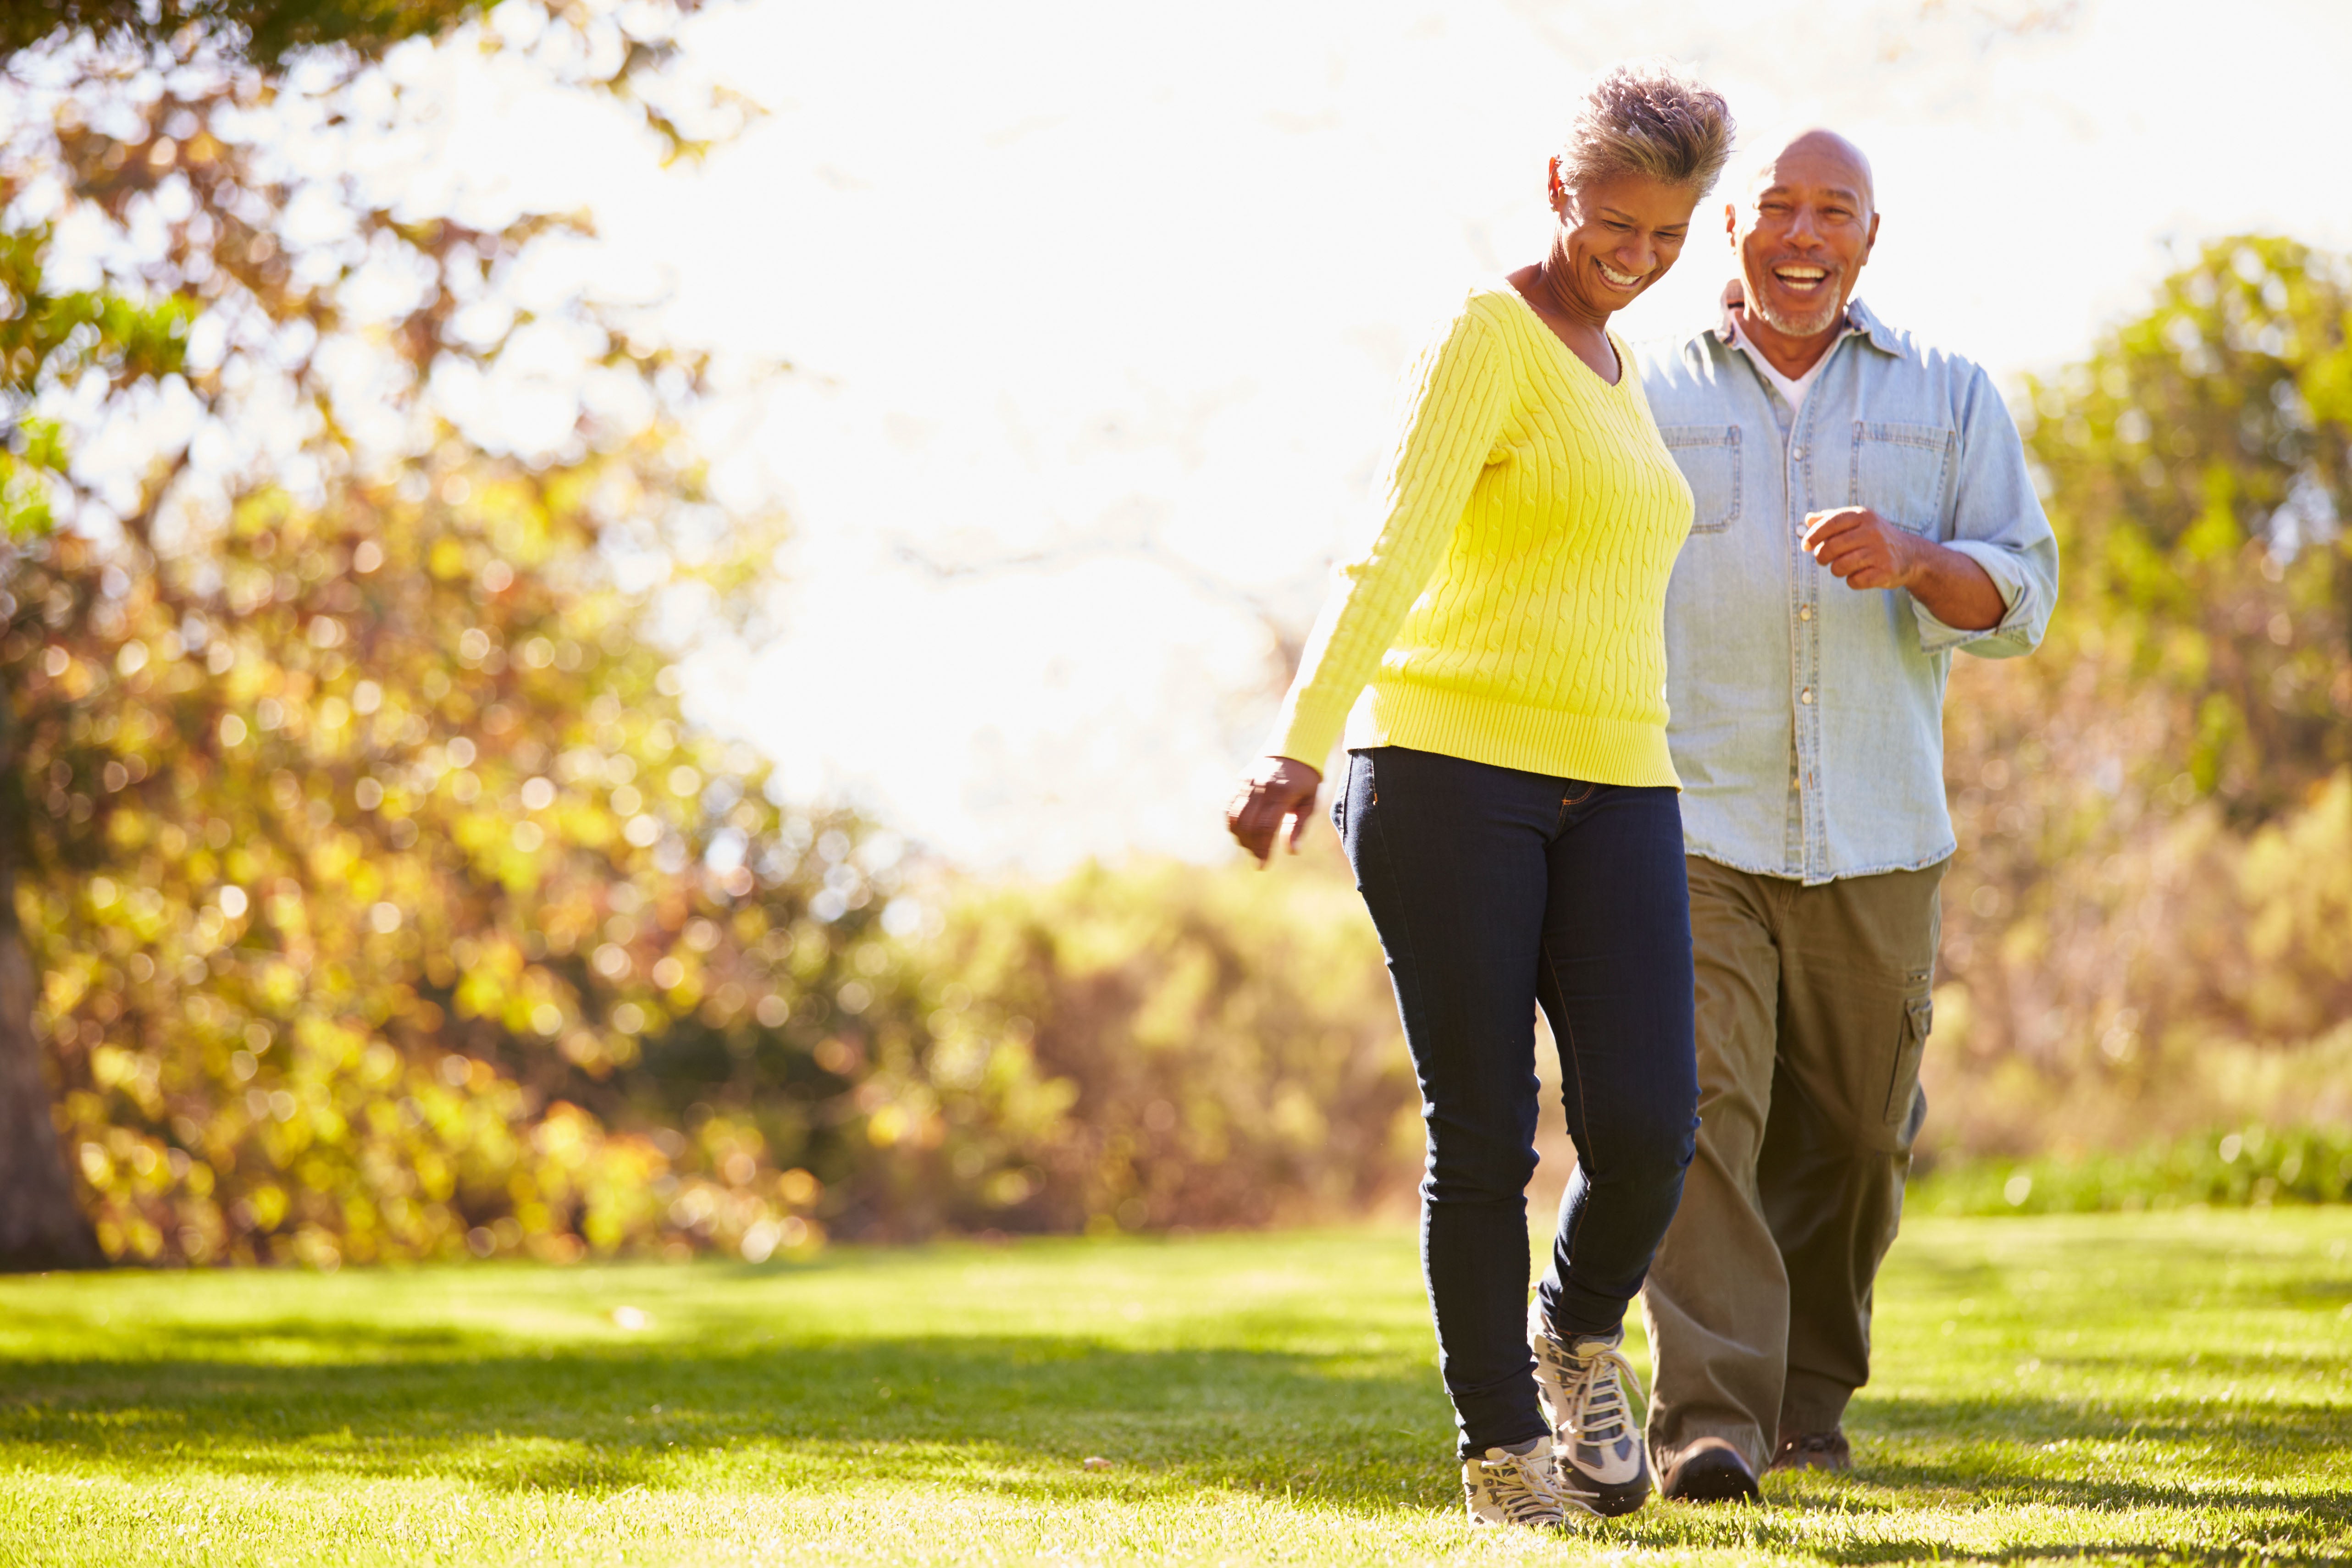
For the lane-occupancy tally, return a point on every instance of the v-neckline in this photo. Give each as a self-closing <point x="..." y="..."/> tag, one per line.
<point x="1615" y="347"/>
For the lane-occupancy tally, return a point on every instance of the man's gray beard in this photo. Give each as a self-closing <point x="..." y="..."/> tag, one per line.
<point x="1812" y="326"/>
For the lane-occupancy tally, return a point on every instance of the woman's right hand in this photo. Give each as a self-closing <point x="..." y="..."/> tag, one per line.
<point x="1277" y="788"/>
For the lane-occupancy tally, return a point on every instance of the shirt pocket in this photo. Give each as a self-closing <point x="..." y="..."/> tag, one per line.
<point x="1708" y="456"/>
<point x="1900" y="472"/>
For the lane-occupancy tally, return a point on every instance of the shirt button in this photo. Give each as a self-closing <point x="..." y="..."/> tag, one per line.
<point x="1806" y="696"/>
<point x="1804" y="612"/>
<point x="1800" y="452"/>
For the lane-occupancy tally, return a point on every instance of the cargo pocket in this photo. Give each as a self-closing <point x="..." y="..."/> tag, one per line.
<point x="1919" y="1017"/>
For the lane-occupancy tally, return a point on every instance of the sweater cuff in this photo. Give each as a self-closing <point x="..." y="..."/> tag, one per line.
<point x="1306" y="729"/>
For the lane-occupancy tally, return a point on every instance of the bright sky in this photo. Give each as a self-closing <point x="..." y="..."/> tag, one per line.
<point x="1095" y="312"/>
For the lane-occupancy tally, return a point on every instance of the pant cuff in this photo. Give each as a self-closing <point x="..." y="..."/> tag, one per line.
<point x="1810" y="1403"/>
<point x="1468" y="1449"/>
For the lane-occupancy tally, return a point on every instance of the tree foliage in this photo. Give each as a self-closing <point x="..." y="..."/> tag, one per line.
<point x="379" y="876"/>
<point x="2143" y="924"/>
<point x="383" y="901"/>
<point x="2201" y="463"/>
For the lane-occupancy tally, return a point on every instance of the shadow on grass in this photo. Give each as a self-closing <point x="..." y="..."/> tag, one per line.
<point x="1015" y="1415"/>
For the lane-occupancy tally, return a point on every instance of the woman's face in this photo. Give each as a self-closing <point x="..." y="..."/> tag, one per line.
<point x="1617" y="236"/>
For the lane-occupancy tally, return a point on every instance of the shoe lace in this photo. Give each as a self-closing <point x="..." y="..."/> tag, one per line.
<point x="1597" y="1412"/>
<point x="1521" y="1487"/>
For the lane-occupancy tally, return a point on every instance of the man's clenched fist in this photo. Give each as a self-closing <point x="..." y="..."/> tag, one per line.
<point x="1863" y="548"/>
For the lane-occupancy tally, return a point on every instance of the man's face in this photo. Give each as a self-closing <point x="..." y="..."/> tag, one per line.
<point x="1803" y="233"/>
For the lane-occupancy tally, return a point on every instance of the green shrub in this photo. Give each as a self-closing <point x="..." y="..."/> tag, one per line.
<point x="2241" y="1167"/>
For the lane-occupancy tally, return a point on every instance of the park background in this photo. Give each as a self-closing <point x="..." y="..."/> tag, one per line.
<point x="627" y="623"/>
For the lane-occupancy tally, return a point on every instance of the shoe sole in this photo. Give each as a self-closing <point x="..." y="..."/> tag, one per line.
<point x="1609" y="1502"/>
<point x="1716" y="1476"/>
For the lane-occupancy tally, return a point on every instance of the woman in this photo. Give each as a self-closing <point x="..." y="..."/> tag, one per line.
<point x="1509" y="807"/>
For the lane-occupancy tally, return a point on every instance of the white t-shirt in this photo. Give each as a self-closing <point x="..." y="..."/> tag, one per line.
<point x="1793" y="389"/>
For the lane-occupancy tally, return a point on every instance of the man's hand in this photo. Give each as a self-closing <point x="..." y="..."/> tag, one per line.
<point x="1868" y="551"/>
<point x="1863" y="548"/>
<point x="1278" y="788"/>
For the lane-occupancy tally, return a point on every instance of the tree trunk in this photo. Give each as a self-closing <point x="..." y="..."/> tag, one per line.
<point x="41" y="1227"/>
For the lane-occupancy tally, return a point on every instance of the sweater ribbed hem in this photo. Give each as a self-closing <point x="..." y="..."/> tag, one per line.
<point x="1507" y="734"/>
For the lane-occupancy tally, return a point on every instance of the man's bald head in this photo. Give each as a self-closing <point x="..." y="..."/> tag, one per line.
<point x="1802" y="231"/>
<point x="1821" y="156"/>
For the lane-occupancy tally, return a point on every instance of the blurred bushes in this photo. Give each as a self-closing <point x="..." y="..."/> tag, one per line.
<point x="2148" y="925"/>
<point x="1157" y="1046"/>
<point x="383" y="888"/>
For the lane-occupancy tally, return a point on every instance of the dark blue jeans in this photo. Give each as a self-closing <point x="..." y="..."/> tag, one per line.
<point x="1495" y="892"/>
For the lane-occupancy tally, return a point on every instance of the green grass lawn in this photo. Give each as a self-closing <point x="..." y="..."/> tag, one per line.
<point x="2074" y="1388"/>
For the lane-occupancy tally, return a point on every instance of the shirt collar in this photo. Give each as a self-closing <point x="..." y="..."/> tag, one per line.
<point x="1859" y="318"/>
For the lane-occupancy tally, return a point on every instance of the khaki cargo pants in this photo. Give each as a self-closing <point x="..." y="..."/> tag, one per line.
<point x="1812" y="1012"/>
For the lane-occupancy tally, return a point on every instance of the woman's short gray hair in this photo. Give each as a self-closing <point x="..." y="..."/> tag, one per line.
<point x="1647" y="117"/>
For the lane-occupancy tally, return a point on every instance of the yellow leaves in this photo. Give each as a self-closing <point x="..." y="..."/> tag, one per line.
<point x="289" y="915"/>
<point x="111" y="1067"/>
<point x="885" y="1127"/>
<point x="447" y="559"/>
<point x="267" y="1203"/>
<point x="2295" y="881"/>
<point x="328" y="1046"/>
<point x="490" y="971"/>
<point x="62" y="989"/>
<point x="2216" y="533"/>
<point x="798" y="1188"/>
<point x="566" y="1134"/>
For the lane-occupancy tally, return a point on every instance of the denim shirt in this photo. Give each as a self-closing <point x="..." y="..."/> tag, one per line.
<point x="1806" y="717"/>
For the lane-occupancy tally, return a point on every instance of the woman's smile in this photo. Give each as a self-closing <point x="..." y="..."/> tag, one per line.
<point x="1619" y="280"/>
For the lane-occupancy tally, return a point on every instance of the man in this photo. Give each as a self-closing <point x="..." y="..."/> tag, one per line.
<point x="1863" y="510"/>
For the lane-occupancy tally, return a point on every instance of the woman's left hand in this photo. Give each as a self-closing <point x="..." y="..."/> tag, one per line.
<point x="1277" y="788"/>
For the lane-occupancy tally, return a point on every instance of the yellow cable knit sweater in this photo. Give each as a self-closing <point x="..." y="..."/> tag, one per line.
<point x="1512" y="609"/>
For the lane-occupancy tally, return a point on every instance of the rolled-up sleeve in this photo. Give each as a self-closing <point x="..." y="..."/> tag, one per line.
<point x="1997" y="522"/>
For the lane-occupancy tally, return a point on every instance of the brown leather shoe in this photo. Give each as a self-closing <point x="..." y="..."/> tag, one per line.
<point x="1708" y="1470"/>
<point x="1813" y="1451"/>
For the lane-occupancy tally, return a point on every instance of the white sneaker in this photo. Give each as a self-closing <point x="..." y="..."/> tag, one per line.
<point x="1602" y="1461"/>
<point x="1501" y="1487"/>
